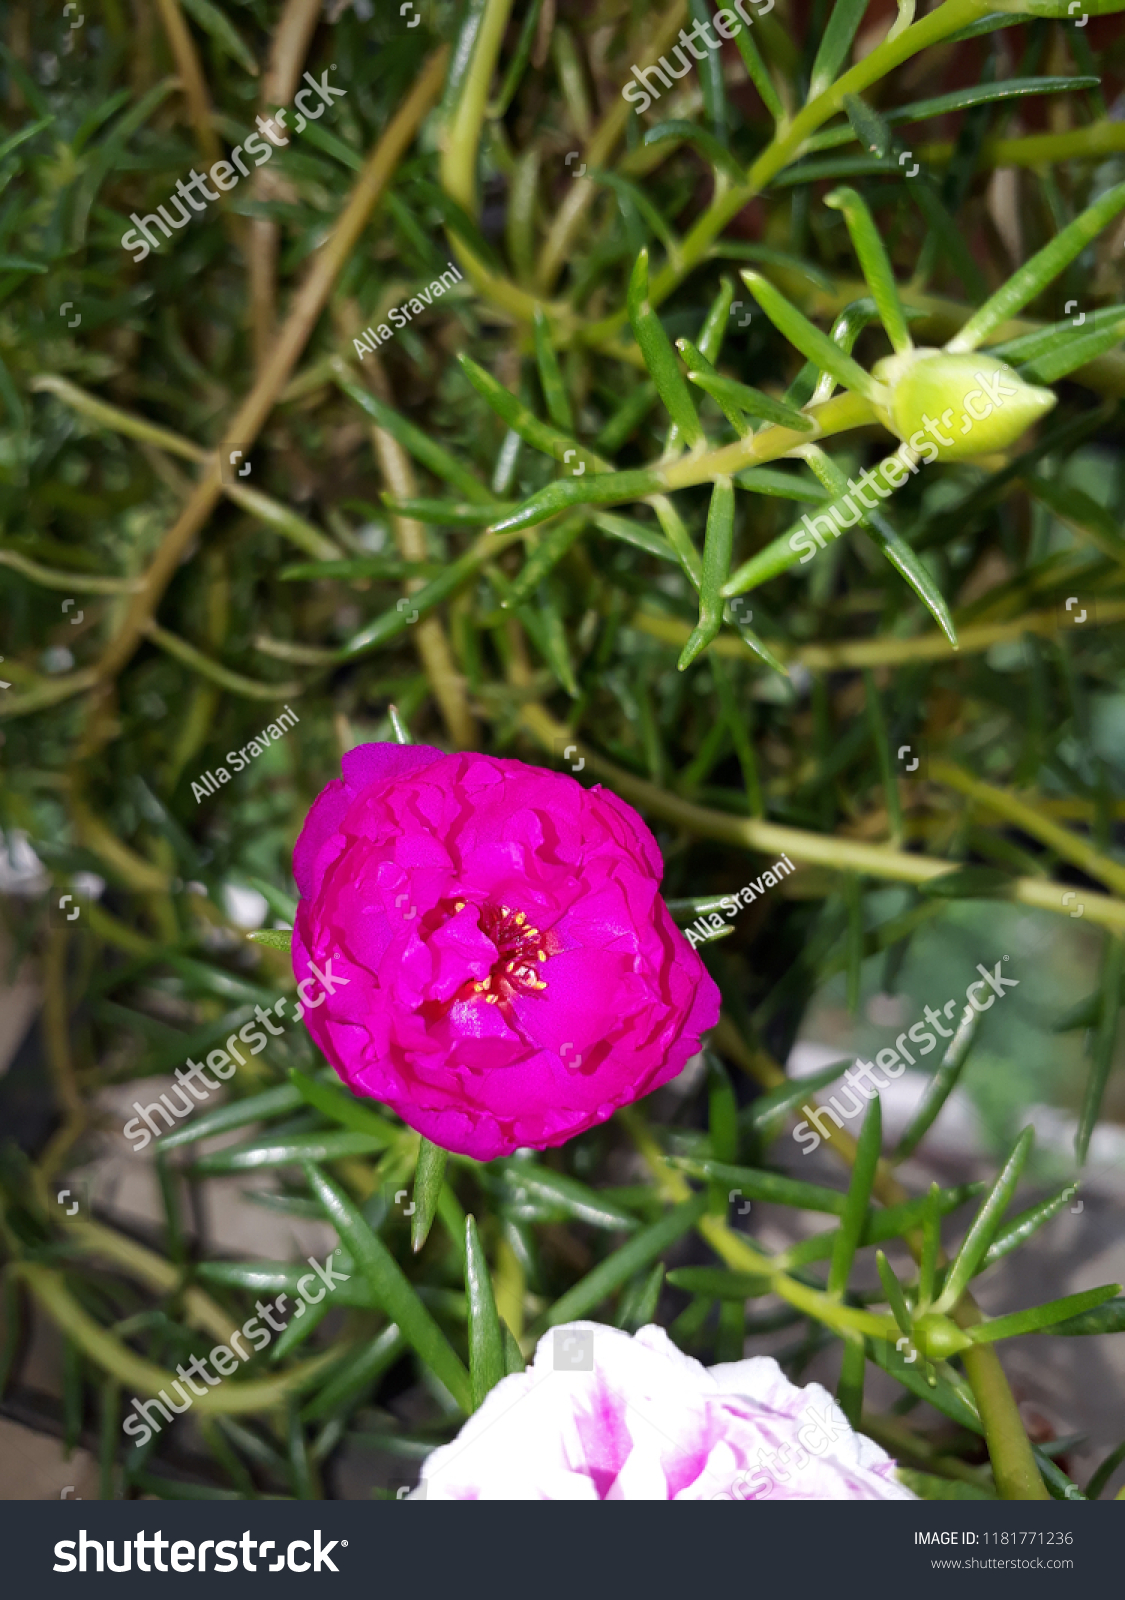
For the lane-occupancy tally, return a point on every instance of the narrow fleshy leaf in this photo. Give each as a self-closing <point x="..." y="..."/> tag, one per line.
<point x="1028" y="347"/>
<point x="570" y="1197"/>
<point x="893" y="1291"/>
<point x="273" y="938"/>
<point x="986" y="1224"/>
<point x="409" y="608"/>
<point x="771" y="1108"/>
<point x="639" y="1299"/>
<point x="853" y="1371"/>
<point x="1059" y="363"/>
<point x="550" y="376"/>
<point x="809" y="339"/>
<point x="394" y="1293"/>
<point x="739" y="724"/>
<point x="941" y="105"/>
<point x="719" y="1284"/>
<point x="589" y="1292"/>
<point x="429" y="1175"/>
<point x="903" y="1366"/>
<point x="1105" y="1472"/>
<point x="931" y="1245"/>
<point x="335" y="1102"/>
<point x="716" y="566"/>
<point x="398" y="726"/>
<point x="446" y="513"/>
<point x="287" y="1150"/>
<point x="355" y="1376"/>
<point x="706" y="143"/>
<point x="550" y="551"/>
<point x="759" y="73"/>
<point x="486" y="1341"/>
<point x="757" y="1184"/>
<point x="835" y="43"/>
<point x="679" y="538"/>
<point x="728" y="392"/>
<point x="513" y="1355"/>
<point x="601" y="489"/>
<point x="1044" y="267"/>
<point x="255" y="1108"/>
<point x="716" y="323"/>
<point x="710" y="70"/>
<point x="642" y="536"/>
<point x="1101" y="1058"/>
<point x="700" y="368"/>
<point x="722" y="1113"/>
<point x="874" y="264"/>
<point x="869" y="128"/>
<point x="541" y="435"/>
<point x="632" y="194"/>
<point x="659" y="356"/>
<point x="424" y="449"/>
<point x="1036" y="1318"/>
<point x="1027" y="1223"/>
<point x="1109" y="1317"/>
<point x="854" y="1216"/>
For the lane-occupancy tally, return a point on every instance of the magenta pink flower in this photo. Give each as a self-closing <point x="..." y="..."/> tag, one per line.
<point x="504" y="971"/>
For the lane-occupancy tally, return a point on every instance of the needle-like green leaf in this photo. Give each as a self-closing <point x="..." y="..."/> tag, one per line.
<point x="1043" y="268"/>
<point x="659" y="356"/>
<point x="985" y="1224"/>
<point x="486" y="1340"/>
<point x="388" y="1283"/>
<point x="429" y="1175"/>
<point x="874" y="264"/>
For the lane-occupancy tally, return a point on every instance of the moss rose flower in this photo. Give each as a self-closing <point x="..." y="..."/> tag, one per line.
<point x="504" y="972"/>
<point x="603" y="1416"/>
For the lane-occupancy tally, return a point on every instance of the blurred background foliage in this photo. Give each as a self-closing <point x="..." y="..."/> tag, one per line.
<point x="155" y="617"/>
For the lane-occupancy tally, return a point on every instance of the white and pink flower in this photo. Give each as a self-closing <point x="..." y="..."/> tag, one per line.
<point x="602" y="1415"/>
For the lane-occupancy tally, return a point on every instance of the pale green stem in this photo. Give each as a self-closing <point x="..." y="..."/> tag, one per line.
<point x="1061" y="840"/>
<point x="73" y="582"/>
<point x="768" y="838"/>
<point x="786" y="147"/>
<point x="144" y="1377"/>
<point x="250" y="688"/>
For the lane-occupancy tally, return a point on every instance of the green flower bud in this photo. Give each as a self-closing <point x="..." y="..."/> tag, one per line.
<point x="938" y="1338"/>
<point x="951" y="406"/>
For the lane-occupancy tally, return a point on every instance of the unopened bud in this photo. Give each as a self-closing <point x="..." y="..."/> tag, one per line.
<point x="938" y="1338"/>
<point x="961" y="405"/>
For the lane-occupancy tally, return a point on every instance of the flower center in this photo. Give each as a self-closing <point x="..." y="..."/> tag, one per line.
<point x="520" y="949"/>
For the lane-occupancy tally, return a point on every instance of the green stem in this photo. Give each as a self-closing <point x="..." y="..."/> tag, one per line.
<point x="144" y="1377"/>
<point x="786" y="147"/>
